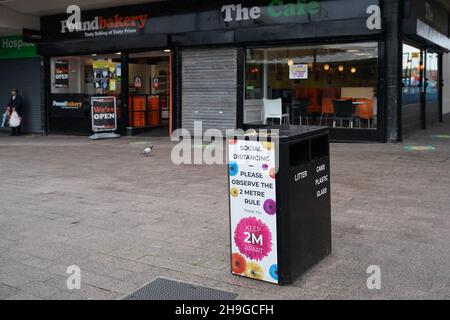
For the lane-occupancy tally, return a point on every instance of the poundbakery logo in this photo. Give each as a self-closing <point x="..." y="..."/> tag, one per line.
<point x="67" y="104"/>
<point x="100" y="25"/>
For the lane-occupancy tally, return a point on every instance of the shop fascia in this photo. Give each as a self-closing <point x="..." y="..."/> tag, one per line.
<point x="99" y="23"/>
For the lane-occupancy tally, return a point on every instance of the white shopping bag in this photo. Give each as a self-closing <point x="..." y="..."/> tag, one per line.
<point x="14" y="120"/>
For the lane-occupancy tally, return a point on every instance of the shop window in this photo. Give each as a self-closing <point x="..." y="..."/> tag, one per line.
<point x="149" y="90"/>
<point x="88" y="75"/>
<point x="412" y="75"/>
<point x="74" y="80"/>
<point x="334" y="85"/>
<point x="432" y="77"/>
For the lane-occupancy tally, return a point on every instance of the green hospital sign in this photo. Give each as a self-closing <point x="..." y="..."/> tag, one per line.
<point x="14" y="47"/>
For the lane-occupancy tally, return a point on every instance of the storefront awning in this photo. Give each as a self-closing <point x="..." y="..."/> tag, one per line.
<point x="419" y="30"/>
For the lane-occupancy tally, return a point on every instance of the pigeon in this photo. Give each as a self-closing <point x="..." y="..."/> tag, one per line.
<point x="148" y="151"/>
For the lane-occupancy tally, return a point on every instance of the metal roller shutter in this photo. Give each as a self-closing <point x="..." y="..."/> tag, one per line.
<point x="209" y="88"/>
<point x="24" y="74"/>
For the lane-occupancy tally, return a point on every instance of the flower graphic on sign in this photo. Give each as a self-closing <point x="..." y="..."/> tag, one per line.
<point x="274" y="272"/>
<point x="238" y="263"/>
<point x="254" y="271"/>
<point x="270" y="207"/>
<point x="234" y="192"/>
<point x="253" y="238"/>
<point x="233" y="168"/>
<point x="267" y="145"/>
<point x="272" y="173"/>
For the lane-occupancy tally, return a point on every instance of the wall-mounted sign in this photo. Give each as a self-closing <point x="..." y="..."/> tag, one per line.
<point x="61" y="73"/>
<point x="104" y="114"/>
<point x="252" y="182"/>
<point x="298" y="72"/>
<point x="15" y="48"/>
<point x="102" y="25"/>
<point x="275" y="9"/>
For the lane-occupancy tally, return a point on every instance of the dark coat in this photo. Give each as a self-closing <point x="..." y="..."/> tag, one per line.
<point x="16" y="103"/>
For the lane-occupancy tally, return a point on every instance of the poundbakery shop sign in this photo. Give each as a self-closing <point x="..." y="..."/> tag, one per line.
<point x="102" y="26"/>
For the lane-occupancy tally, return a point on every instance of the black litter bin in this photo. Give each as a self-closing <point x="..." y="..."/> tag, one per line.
<point x="280" y="204"/>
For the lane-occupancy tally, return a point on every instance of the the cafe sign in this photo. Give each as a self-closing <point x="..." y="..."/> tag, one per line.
<point x="288" y="9"/>
<point x="14" y="47"/>
<point x="275" y="9"/>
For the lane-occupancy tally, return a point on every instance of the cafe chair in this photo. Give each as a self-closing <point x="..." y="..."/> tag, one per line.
<point x="300" y="109"/>
<point x="273" y="109"/>
<point x="365" y="112"/>
<point x="327" y="109"/>
<point x="343" y="111"/>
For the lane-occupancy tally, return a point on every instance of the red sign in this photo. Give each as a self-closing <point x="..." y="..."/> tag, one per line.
<point x="156" y="82"/>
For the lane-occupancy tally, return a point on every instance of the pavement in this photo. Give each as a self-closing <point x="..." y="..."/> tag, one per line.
<point x="125" y="219"/>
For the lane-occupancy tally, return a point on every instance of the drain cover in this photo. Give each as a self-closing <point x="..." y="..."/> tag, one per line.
<point x="165" y="289"/>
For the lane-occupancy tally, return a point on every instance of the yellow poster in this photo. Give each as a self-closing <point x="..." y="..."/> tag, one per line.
<point x="103" y="65"/>
<point x="112" y="85"/>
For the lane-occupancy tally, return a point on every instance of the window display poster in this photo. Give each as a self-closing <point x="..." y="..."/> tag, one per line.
<point x="104" y="72"/>
<point x="119" y="70"/>
<point x="298" y="72"/>
<point x="138" y="82"/>
<point x="104" y="114"/>
<point x="61" y="73"/>
<point x="253" y="210"/>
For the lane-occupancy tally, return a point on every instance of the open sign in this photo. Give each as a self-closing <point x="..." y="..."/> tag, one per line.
<point x="104" y="114"/>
